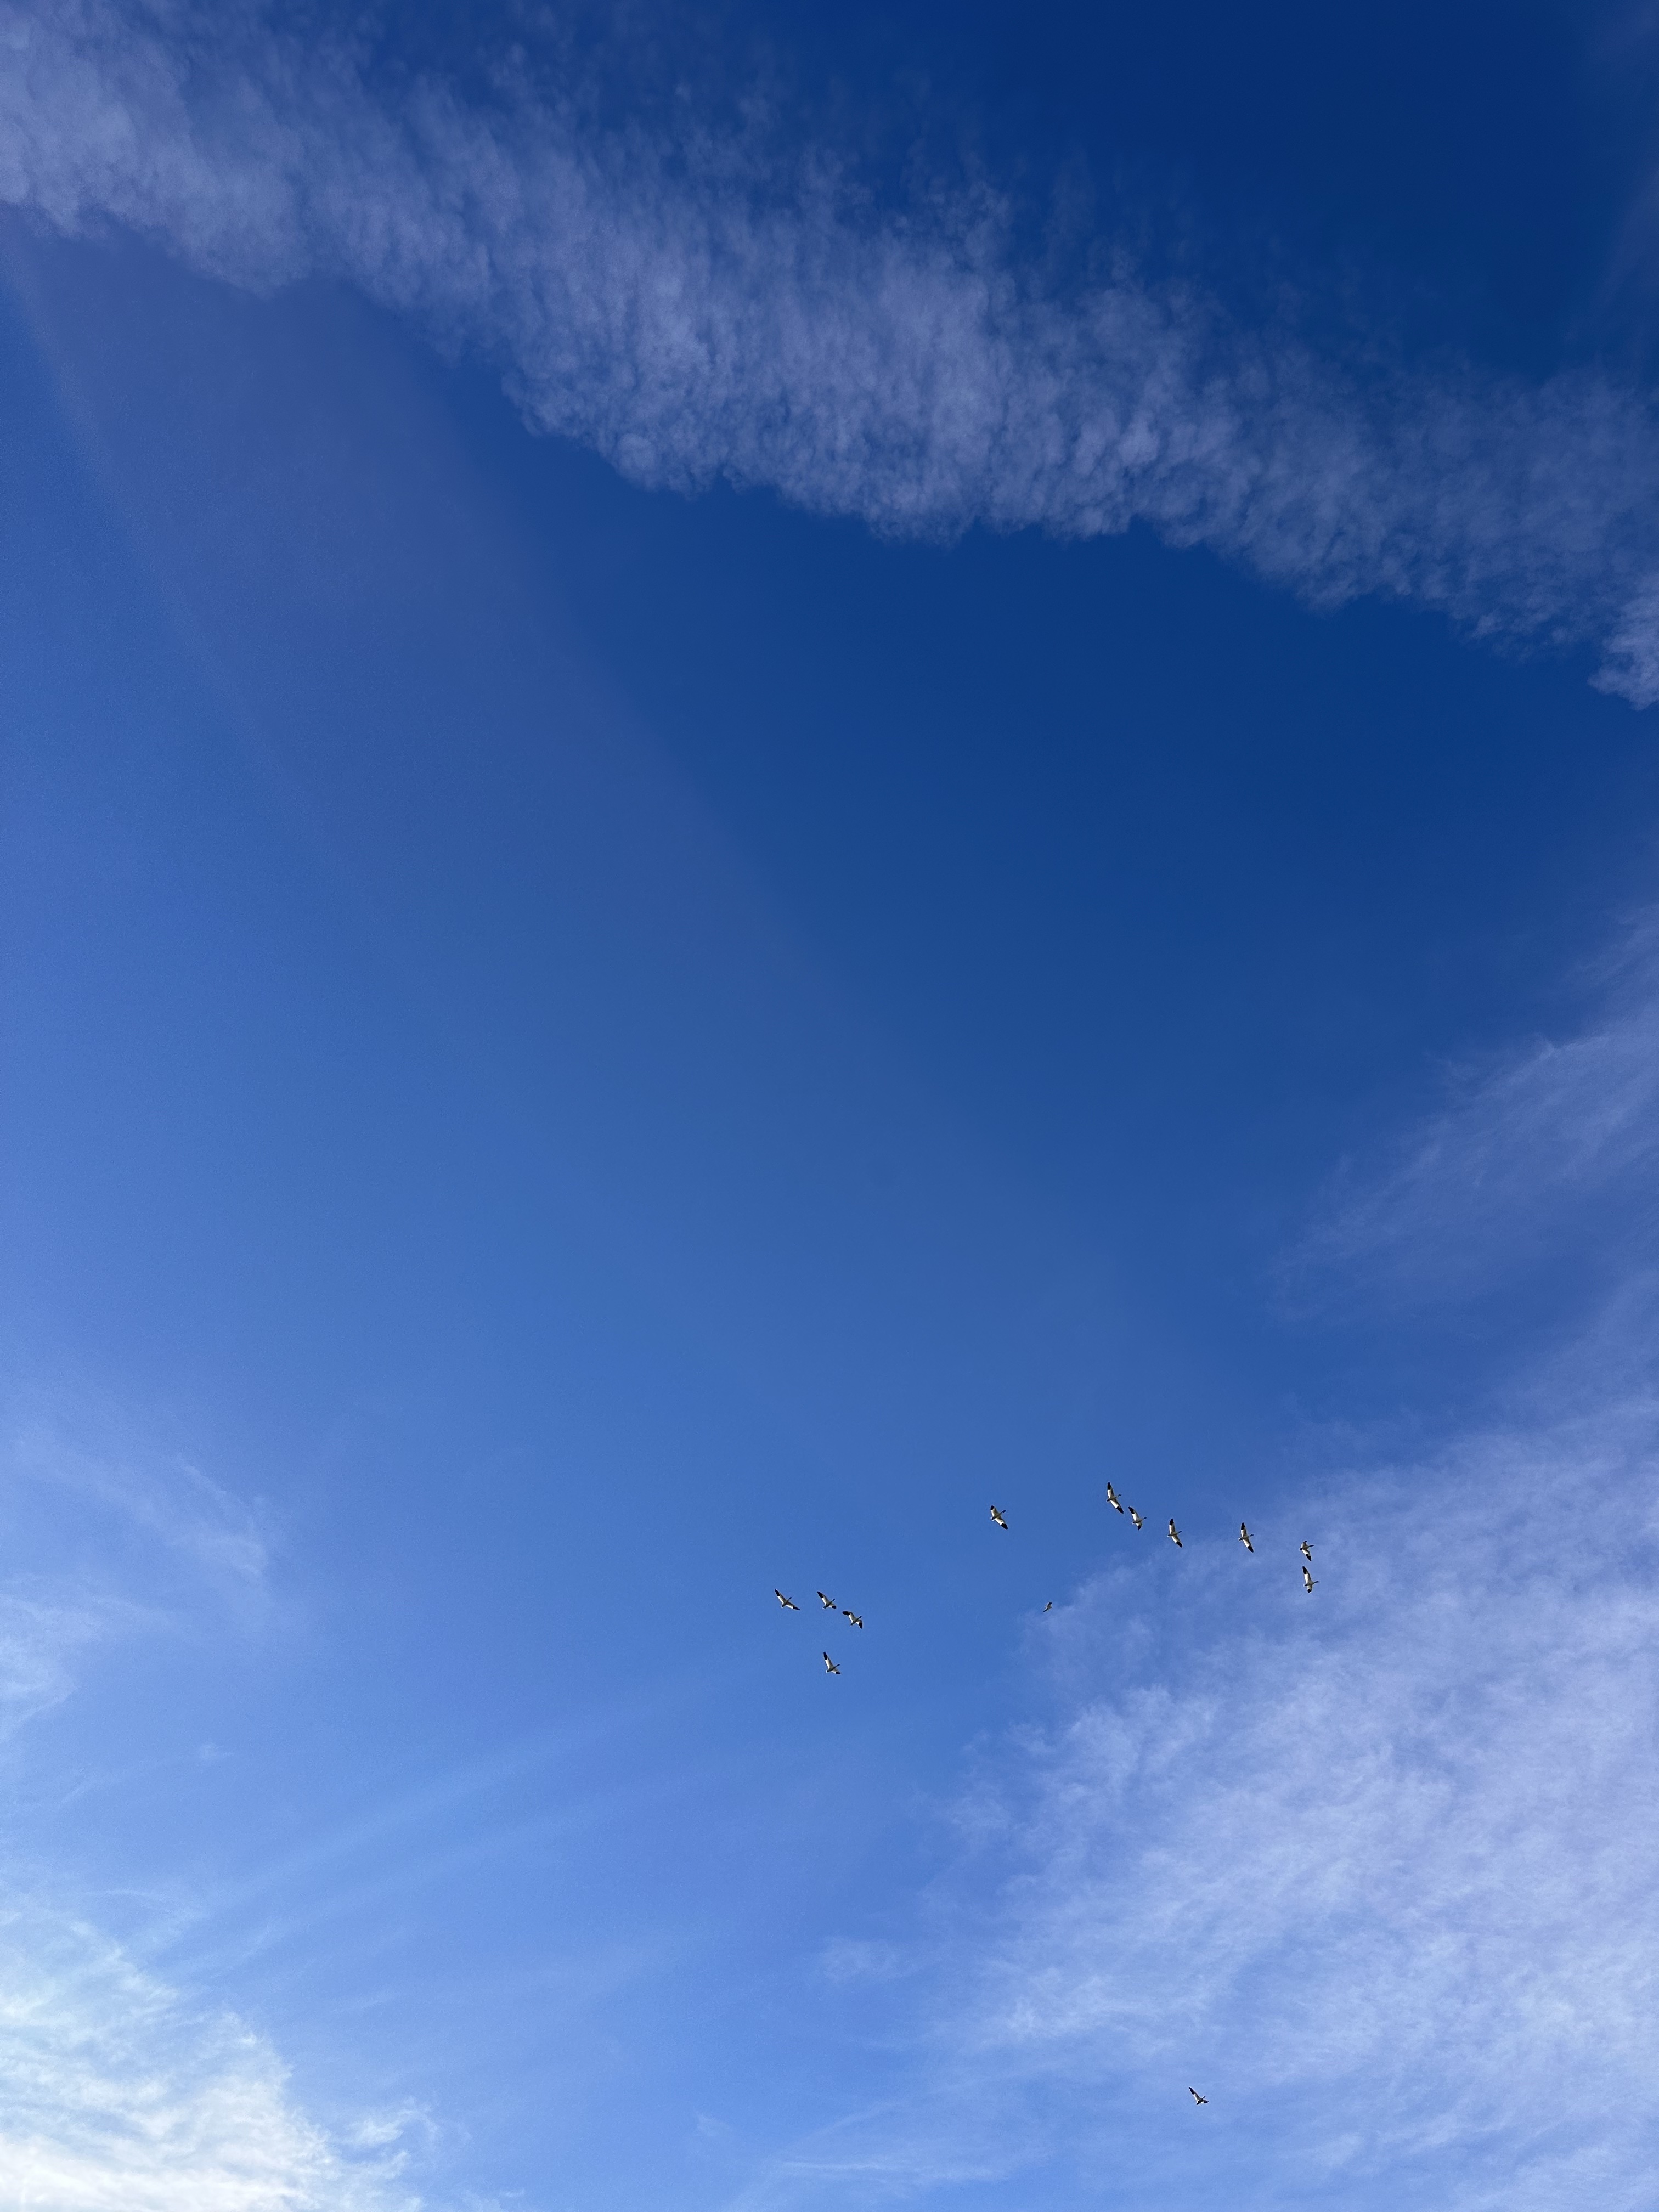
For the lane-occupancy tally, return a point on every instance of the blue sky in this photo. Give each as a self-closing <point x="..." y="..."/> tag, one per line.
<point x="767" y="775"/>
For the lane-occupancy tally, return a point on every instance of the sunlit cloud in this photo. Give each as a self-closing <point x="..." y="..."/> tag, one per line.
<point x="116" y="2093"/>
<point x="696" y="311"/>
<point x="1376" y="1868"/>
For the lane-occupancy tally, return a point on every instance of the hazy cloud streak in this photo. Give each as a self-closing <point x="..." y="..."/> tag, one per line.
<point x="1377" y="1868"/>
<point x="119" y="2097"/>
<point x="116" y="2093"/>
<point x="1545" y="1154"/>
<point x="691" y="313"/>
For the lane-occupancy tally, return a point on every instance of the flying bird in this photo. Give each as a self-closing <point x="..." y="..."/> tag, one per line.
<point x="1307" y="1549"/>
<point x="1136" y="1518"/>
<point x="1307" y="1580"/>
<point x="828" y="1603"/>
<point x="997" y="1518"/>
<point x="1196" y="2099"/>
<point x="1113" y="1499"/>
<point x="1049" y="1606"/>
<point x="1174" y="1535"/>
<point x="1244" y="1537"/>
<point x="855" y="1618"/>
<point x="829" y="1666"/>
<point x="787" y="1603"/>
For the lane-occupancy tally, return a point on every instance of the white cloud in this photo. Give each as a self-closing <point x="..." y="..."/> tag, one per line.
<point x="213" y="1536"/>
<point x="1377" y="1869"/>
<point x="105" y="1540"/>
<point x="1542" y="1153"/>
<point x="116" y="2096"/>
<point x="692" y="311"/>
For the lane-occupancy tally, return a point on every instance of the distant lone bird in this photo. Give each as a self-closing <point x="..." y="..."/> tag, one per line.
<point x="1136" y="1518"/>
<point x="1244" y="1537"/>
<point x="1307" y="1549"/>
<point x="1196" y="2099"/>
<point x="852" y="1617"/>
<point x="1174" y="1535"/>
<point x="829" y="1666"/>
<point x="1307" y="1580"/>
<point x="997" y="1518"/>
<point x="1049" y="1606"/>
<point x="1113" y="1499"/>
<point x="828" y="1603"/>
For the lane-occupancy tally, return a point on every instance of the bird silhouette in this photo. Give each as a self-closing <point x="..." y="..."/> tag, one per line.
<point x="997" y="1518"/>
<point x="787" y="1603"/>
<point x="1307" y="1580"/>
<point x="1244" y="1537"/>
<point x="1174" y="1535"/>
<point x="855" y="1620"/>
<point x="829" y="1666"/>
<point x="1049" y="1606"/>
<point x="1196" y="2099"/>
<point x="1136" y="1518"/>
<point x="828" y="1603"/>
<point x="1307" y="1549"/>
<point x="1113" y="1500"/>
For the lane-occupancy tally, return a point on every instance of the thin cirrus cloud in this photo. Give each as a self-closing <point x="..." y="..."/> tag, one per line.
<point x="123" y="1541"/>
<point x="697" y="310"/>
<point x="116" y="2092"/>
<point x="1377" y="1868"/>
<point x="1543" y="1159"/>
<point x="120" y="2097"/>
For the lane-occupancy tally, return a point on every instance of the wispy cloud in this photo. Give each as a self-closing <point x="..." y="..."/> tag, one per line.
<point x="107" y="1539"/>
<point x="117" y="2091"/>
<point x="1377" y="1869"/>
<point x="119" y="2097"/>
<point x="1540" y="1156"/>
<point x="163" y="1497"/>
<point x="696" y="309"/>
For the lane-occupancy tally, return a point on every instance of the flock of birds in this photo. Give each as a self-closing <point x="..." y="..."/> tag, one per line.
<point x="1309" y="1580"/>
<point x="830" y="1606"/>
<point x="1309" y="1583"/>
